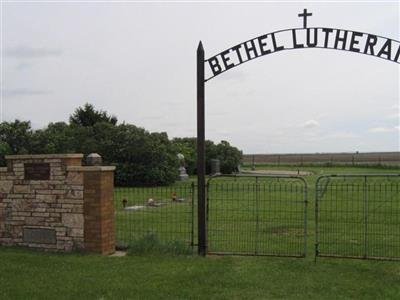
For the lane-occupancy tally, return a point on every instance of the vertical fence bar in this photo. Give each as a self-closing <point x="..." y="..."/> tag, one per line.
<point x="365" y="196"/>
<point x="192" y="235"/>
<point x="208" y="204"/>
<point x="305" y="216"/>
<point x="316" y="219"/>
<point x="202" y="222"/>
<point x="257" y="216"/>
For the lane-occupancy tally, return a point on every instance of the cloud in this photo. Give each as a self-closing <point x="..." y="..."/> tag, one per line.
<point x="384" y="129"/>
<point x="234" y="75"/>
<point x="394" y="116"/>
<point x="23" y="66"/>
<point x="343" y="135"/>
<point x="27" y="52"/>
<point x="24" y="92"/>
<point x="172" y="103"/>
<point x="151" y="118"/>
<point x="311" y="124"/>
<point x="171" y="124"/>
<point x="217" y="113"/>
<point x="335" y="136"/>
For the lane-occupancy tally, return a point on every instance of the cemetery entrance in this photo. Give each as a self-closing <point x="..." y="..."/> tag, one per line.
<point x="267" y="221"/>
<point x="257" y="215"/>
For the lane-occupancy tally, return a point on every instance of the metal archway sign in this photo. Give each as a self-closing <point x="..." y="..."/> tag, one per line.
<point x="287" y="39"/>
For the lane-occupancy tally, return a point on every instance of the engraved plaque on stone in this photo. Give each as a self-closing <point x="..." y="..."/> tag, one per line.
<point x="39" y="235"/>
<point x="37" y="171"/>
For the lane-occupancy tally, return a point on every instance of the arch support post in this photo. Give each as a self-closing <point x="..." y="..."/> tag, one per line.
<point x="201" y="170"/>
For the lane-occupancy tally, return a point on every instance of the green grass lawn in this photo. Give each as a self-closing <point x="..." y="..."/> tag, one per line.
<point x="33" y="275"/>
<point x="243" y="218"/>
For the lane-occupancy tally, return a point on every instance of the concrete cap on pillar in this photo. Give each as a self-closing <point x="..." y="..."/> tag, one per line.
<point x="94" y="159"/>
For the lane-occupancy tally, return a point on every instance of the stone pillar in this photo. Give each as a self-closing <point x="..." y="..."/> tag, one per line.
<point x="98" y="207"/>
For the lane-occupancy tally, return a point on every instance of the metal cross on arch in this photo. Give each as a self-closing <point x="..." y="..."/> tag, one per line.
<point x="305" y="15"/>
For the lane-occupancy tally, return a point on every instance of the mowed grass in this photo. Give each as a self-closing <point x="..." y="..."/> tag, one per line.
<point x="32" y="275"/>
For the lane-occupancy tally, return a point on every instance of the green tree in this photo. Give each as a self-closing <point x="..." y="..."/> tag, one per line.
<point x="229" y="156"/>
<point x="141" y="157"/>
<point x="4" y="150"/>
<point x="15" y="138"/>
<point x="88" y="116"/>
<point x="144" y="158"/>
<point x="17" y="135"/>
<point x="55" y="138"/>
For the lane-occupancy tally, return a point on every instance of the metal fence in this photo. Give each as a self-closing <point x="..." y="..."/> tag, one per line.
<point x="160" y="215"/>
<point x="257" y="215"/>
<point x="358" y="216"/>
<point x="353" y="159"/>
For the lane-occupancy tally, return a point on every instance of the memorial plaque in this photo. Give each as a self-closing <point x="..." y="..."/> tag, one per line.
<point x="37" y="171"/>
<point x="39" y="235"/>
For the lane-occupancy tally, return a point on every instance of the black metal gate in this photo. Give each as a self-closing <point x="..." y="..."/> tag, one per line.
<point x="358" y="216"/>
<point x="257" y="215"/>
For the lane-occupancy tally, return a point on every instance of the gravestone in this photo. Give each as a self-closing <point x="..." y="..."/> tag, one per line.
<point x="182" y="170"/>
<point x="215" y="167"/>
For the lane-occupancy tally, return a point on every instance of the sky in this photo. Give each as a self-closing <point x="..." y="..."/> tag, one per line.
<point x="137" y="61"/>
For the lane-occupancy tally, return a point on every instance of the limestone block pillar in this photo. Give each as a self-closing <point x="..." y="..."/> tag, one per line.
<point x="98" y="208"/>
